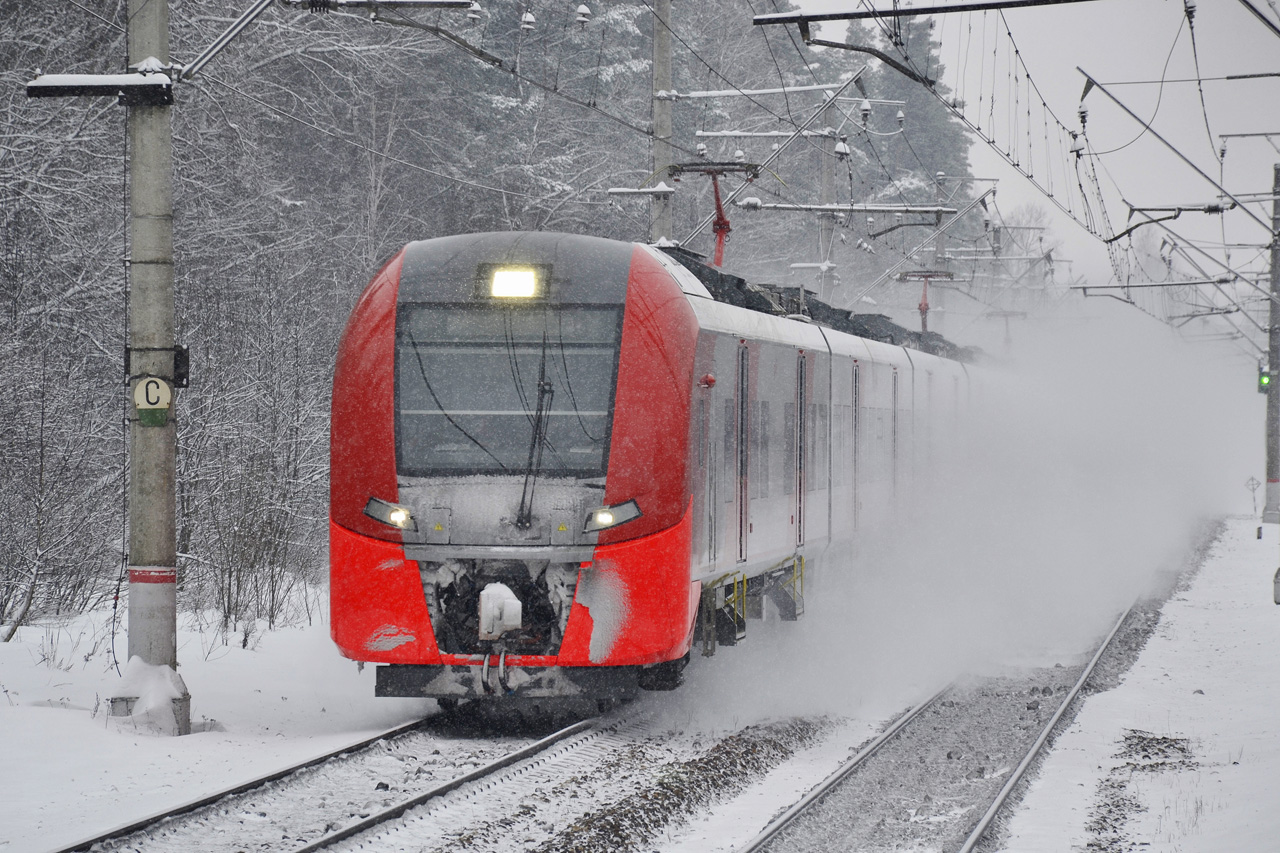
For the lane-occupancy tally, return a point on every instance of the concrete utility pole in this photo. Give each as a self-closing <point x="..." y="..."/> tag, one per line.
<point x="939" y="254"/>
<point x="660" y="203"/>
<point x="827" y="195"/>
<point x="152" y="431"/>
<point x="1271" y="509"/>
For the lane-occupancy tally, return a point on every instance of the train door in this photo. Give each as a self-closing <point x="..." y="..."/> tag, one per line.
<point x="893" y="420"/>
<point x="743" y="418"/>
<point x="856" y="443"/>
<point x="801" y="420"/>
<point x="710" y="467"/>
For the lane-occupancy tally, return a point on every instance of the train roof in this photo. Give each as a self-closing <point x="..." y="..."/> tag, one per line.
<point x="783" y="301"/>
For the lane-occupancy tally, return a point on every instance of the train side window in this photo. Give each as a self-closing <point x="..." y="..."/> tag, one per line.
<point x="730" y="455"/>
<point x="824" y="415"/>
<point x="704" y="433"/>
<point x="816" y="474"/>
<point x="789" y="435"/>
<point x="760" y="449"/>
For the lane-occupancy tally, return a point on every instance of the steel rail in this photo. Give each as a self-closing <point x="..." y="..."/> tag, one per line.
<point x="985" y="823"/>
<point x="193" y="805"/>
<point x="779" y="823"/>
<point x="374" y="820"/>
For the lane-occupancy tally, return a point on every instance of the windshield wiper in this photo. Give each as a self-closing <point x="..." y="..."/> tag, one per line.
<point x="524" y="517"/>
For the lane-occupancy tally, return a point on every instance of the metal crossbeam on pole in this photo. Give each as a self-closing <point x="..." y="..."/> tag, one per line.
<point x="777" y="152"/>
<point x="1094" y="84"/>
<point x="901" y="11"/>
<point x="835" y="207"/>
<point x="887" y="274"/>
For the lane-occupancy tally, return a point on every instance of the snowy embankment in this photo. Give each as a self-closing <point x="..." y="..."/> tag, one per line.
<point x="1184" y="755"/>
<point x="75" y="772"/>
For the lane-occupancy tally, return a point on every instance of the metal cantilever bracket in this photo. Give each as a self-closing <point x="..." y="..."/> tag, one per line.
<point x="181" y="363"/>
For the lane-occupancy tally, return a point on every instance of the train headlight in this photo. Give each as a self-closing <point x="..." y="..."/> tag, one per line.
<point x="391" y="514"/>
<point x="611" y="516"/>
<point x="514" y="283"/>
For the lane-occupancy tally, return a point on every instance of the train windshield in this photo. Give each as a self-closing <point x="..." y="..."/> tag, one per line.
<point x="475" y="383"/>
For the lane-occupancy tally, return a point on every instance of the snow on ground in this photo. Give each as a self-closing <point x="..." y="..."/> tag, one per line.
<point x="74" y="773"/>
<point x="1210" y="675"/>
<point x="1201" y="704"/>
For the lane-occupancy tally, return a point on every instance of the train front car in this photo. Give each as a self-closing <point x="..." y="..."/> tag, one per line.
<point x="510" y="505"/>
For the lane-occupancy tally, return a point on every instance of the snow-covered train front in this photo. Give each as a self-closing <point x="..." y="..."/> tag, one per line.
<point x="556" y="459"/>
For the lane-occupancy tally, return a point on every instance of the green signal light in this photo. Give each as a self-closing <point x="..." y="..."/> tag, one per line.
<point x="1264" y="381"/>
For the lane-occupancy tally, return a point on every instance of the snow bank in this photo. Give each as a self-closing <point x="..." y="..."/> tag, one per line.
<point x="1210" y="678"/>
<point x="148" y="693"/>
<point x="254" y="711"/>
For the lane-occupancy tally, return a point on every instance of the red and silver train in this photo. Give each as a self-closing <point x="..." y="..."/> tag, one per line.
<point x="559" y="462"/>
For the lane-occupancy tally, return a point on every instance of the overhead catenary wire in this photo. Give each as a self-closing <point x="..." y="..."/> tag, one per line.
<point x="367" y="149"/>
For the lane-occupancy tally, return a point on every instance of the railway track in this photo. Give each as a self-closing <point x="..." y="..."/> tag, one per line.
<point x="325" y="796"/>
<point x="596" y="784"/>
<point x="789" y="832"/>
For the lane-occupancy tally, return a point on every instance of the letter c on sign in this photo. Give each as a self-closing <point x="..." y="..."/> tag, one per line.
<point x="152" y="392"/>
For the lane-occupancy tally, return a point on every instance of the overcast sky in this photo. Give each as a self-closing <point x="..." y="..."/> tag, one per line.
<point x="1131" y="40"/>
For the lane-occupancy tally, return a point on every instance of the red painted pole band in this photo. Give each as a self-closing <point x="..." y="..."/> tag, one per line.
<point x="153" y="576"/>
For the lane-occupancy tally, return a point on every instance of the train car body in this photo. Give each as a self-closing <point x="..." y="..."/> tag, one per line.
<point x="558" y="464"/>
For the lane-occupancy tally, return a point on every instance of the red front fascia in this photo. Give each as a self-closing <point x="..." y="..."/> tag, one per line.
<point x="644" y="604"/>
<point x="377" y="611"/>
<point x="647" y="580"/>
<point x="649" y="447"/>
<point x="362" y="441"/>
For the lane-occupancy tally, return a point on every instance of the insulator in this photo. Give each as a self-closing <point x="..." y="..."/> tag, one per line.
<point x="702" y="150"/>
<point x="902" y="119"/>
<point x="865" y="109"/>
<point x="584" y="15"/>
<point x="473" y="13"/>
<point x="739" y="157"/>
<point x="842" y="150"/>
<point x="527" y="20"/>
<point x="1190" y="6"/>
<point x="1083" y="112"/>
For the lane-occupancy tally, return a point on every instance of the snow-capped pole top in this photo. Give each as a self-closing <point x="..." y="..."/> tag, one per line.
<point x="150" y="65"/>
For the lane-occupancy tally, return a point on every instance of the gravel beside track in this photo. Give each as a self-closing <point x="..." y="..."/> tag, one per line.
<point x="610" y="790"/>
<point x="927" y="787"/>
<point x="283" y="814"/>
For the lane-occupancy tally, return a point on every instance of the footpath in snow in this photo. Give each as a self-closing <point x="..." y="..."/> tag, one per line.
<point x="1184" y="755"/>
